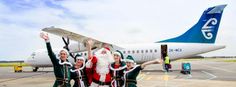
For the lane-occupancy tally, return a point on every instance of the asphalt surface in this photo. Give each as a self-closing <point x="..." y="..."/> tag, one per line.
<point x="210" y="73"/>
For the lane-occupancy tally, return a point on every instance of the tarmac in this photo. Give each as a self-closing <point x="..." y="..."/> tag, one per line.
<point x="210" y="73"/>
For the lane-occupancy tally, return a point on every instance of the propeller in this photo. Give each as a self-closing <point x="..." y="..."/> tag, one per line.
<point x="67" y="42"/>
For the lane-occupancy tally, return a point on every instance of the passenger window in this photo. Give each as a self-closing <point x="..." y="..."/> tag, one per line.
<point x="146" y="51"/>
<point x="141" y="51"/>
<point x="155" y="50"/>
<point x="85" y="54"/>
<point x="150" y="51"/>
<point x="133" y="51"/>
<point x="137" y="51"/>
<point x="128" y="52"/>
<point x="123" y="52"/>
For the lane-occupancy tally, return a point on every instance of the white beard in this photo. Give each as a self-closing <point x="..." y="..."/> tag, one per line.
<point x="103" y="61"/>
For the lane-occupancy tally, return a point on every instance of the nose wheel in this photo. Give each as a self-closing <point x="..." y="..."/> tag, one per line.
<point x="35" y="69"/>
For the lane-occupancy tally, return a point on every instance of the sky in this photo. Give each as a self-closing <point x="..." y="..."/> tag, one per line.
<point x="116" y="21"/>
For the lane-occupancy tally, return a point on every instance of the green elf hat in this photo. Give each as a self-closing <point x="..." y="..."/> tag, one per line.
<point x="79" y="57"/>
<point x="129" y="58"/>
<point x="67" y="53"/>
<point x="119" y="54"/>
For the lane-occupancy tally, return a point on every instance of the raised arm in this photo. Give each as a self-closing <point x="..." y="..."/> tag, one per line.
<point x="89" y="44"/>
<point x="90" y="63"/>
<point x="49" y="49"/>
<point x="156" y="61"/>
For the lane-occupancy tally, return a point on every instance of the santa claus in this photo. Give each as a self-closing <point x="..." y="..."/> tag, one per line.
<point x="100" y="75"/>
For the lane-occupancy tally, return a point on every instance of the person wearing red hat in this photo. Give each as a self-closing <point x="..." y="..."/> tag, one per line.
<point x="99" y="66"/>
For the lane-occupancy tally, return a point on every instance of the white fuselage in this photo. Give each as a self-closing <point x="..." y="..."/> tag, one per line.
<point x="140" y="52"/>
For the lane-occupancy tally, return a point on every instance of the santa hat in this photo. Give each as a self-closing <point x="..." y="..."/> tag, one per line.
<point x="100" y="51"/>
<point x="107" y="48"/>
<point x="129" y="58"/>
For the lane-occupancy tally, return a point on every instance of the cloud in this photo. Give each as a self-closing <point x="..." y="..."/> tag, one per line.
<point x="19" y="29"/>
<point x="117" y="21"/>
<point x="119" y="16"/>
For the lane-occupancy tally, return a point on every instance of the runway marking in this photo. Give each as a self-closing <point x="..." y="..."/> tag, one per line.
<point x="180" y="76"/>
<point x="189" y="76"/>
<point x="166" y="77"/>
<point x="177" y="77"/>
<point x="217" y="68"/>
<point x="149" y="78"/>
<point x="141" y="76"/>
<point x="212" y="76"/>
<point x="22" y="77"/>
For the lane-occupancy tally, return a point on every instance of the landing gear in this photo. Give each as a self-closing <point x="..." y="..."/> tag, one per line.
<point x="35" y="69"/>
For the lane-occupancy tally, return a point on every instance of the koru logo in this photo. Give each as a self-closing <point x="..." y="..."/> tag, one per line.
<point x="206" y="29"/>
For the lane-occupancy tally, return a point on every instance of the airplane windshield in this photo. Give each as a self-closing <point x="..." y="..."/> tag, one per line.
<point x="33" y="54"/>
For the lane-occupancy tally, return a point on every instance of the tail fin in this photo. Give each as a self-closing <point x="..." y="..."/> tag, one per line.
<point x="205" y="30"/>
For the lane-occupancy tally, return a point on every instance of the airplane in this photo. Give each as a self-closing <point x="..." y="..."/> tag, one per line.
<point x="200" y="38"/>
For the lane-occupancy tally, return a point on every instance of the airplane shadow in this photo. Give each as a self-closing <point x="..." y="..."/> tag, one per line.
<point x="35" y="72"/>
<point x="175" y="70"/>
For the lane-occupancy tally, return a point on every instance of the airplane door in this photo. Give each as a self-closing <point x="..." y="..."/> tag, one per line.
<point x="163" y="54"/>
<point x="163" y="51"/>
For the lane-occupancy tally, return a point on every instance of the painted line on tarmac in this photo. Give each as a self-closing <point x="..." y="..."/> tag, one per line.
<point x="212" y="76"/>
<point x="148" y="78"/>
<point x="140" y="77"/>
<point x="217" y="68"/>
<point x="183" y="76"/>
<point x="189" y="76"/>
<point x="166" y="77"/>
<point x="22" y="77"/>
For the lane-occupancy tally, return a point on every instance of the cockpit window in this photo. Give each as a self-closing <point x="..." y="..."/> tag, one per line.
<point x="33" y="54"/>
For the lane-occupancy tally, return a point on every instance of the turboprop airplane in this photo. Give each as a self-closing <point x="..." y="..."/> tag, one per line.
<point x="200" y="38"/>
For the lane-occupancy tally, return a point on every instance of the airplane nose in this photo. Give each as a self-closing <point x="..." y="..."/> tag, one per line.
<point x="30" y="59"/>
<point x="27" y="61"/>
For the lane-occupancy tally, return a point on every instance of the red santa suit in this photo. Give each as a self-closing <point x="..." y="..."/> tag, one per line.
<point x="99" y="66"/>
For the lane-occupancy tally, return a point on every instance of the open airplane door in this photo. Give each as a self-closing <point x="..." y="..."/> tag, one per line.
<point x="164" y="50"/>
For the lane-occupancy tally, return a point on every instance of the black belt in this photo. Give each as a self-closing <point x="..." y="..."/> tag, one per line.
<point x="62" y="80"/>
<point x="101" y="83"/>
<point x="116" y="78"/>
<point x="131" y="81"/>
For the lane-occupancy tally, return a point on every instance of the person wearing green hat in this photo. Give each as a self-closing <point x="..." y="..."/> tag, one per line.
<point x="61" y="66"/>
<point x="117" y="69"/>
<point x="132" y="70"/>
<point x="78" y="72"/>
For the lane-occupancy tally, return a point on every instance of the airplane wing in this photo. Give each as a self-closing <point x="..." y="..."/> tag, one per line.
<point x="76" y="37"/>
